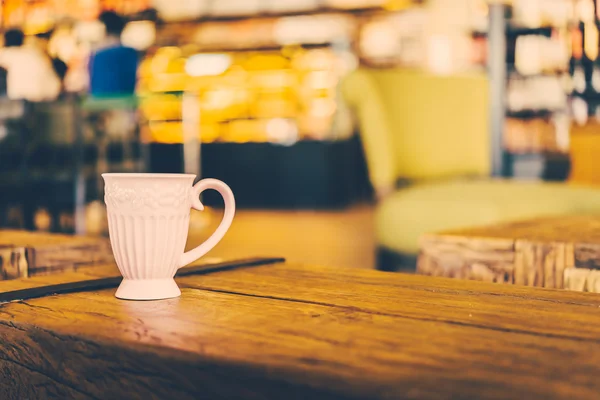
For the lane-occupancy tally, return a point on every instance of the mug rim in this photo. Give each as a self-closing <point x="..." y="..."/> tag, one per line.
<point x="146" y="175"/>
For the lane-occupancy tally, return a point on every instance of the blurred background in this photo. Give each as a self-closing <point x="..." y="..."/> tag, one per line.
<point x="317" y="113"/>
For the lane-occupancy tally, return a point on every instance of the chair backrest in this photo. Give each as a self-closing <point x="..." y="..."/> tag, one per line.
<point x="417" y="126"/>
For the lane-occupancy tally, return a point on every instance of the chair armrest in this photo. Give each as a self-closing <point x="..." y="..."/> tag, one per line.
<point x="362" y="95"/>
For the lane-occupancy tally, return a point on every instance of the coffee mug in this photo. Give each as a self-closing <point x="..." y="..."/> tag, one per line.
<point x="148" y="222"/>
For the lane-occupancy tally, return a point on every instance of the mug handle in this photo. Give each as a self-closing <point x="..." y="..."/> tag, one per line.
<point x="216" y="237"/>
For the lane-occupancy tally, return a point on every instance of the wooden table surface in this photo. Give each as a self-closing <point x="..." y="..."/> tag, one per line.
<point x="553" y="252"/>
<point x="302" y="332"/>
<point x="24" y="254"/>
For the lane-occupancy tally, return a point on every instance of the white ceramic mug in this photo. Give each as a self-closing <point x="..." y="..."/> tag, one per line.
<point x="148" y="221"/>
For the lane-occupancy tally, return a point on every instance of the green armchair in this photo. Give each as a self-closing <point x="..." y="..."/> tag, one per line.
<point x="427" y="148"/>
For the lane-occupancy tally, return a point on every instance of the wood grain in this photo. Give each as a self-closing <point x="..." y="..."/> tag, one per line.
<point x="293" y="331"/>
<point x="80" y="282"/>
<point x="539" y="252"/>
<point x="25" y="253"/>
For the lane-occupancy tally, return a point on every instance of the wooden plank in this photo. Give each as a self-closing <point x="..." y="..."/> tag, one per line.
<point x="408" y="296"/>
<point x="18" y="238"/>
<point x="488" y="260"/>
<point x="582" y="279"/>
<point x="76" y="274"/>
<point x="24" y="254"/>
<point x="290" y="331"/>
<point x="535" y="252"/>
<point x="587" y="255"/>
<point x="84" y="272"/>
<point x="109" y="277"/>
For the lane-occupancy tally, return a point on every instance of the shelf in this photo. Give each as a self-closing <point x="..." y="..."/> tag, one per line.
<point x="164" y="121"/>
<point x="148" y="94"/>
<point x="534" y="154"/>
<point x="266" y="48"/>
<point x="515" y="30"/>
<point x="543" y="165"/>
<point x="512" y="72"/>
<point x="589" y="96"/>
<point x="173" y="31"/>
<point x="530" y="114"/>
<point x="229" y="120"/>
<point x="267" y="14"/>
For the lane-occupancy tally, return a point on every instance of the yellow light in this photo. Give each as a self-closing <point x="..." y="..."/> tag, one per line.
<point x="139" y="35"/>
<point x="585" y="11"/>
<point x="380" y="39"/>
<point x="321" y="80"/>
<point x="282" y="131"/>
<point x="395" y="5"/>
<point x="207" y="64"/>
<point x="323" y="107"/>
<point x="591" y="40"/>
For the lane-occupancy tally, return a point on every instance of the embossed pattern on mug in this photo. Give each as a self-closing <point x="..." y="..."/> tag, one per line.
<point x="147" y="197"/>
<point x="148" y="247"/>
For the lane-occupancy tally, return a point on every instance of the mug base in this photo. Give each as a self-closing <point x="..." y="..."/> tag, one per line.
<point x="147" y="289"/>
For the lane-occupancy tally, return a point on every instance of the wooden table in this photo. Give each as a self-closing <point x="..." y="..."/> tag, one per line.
<point x="302" y="332"/>
<point x="555" y="252"/>
<point x="25" y="253"/>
